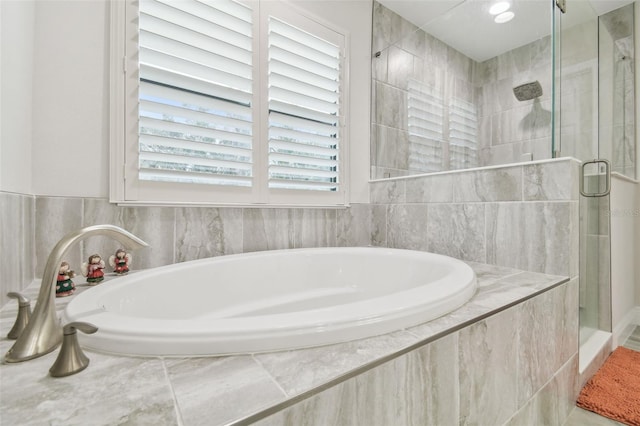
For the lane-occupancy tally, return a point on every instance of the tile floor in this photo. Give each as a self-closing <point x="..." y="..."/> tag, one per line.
<point x="580" y="417"/>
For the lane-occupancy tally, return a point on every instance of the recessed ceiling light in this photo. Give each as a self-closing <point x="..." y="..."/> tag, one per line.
<point x="499" y="7"/>
<point x="504" y="17"/>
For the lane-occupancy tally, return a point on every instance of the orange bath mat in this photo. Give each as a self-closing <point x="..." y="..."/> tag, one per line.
<point x="614" y="391"/>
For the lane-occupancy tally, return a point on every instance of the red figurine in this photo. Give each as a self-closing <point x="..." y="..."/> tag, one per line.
<point x="120" y="262"/>
<point x="93" y="269"/>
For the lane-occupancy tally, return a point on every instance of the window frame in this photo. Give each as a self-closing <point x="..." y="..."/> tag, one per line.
<point x="125" y="187"/>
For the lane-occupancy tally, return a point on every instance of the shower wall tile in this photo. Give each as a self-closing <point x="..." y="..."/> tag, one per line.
<point x="514" y="61"/>
<point x="488" y="386"/>
<point x="267" y="229"/>
<point x="54" y="218"/>
<point x="418" y="388"/>
<point x="154" y="225"/>
<point x="215" y="391"/>
<point x="353" y="226"/>
<point x="391" y="147"/>
<point x="457" y="230"/>
<point x="488" y="185"/>
<point x="531" y="236"/>
<point x="551" y="181"/>
<point x="314" y="228"/>
<point x="17" y="250"/>
<point x="207" y="232"/>
<point x="391" y="106"/>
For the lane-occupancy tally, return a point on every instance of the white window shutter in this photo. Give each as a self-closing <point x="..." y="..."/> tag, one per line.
<point x="304" y="109"/>
<point x="195" y="94"/>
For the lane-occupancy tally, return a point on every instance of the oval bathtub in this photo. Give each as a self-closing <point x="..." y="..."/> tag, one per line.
<point x="269" y="301"/>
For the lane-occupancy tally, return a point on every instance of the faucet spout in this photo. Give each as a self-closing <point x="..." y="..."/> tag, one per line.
<point x="43" y="332"/>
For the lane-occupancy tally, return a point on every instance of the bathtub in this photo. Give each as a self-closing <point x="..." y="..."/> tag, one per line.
<point x="270" y="301"/>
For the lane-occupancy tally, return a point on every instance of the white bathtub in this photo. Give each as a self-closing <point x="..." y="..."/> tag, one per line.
<point x="268" y="301"/>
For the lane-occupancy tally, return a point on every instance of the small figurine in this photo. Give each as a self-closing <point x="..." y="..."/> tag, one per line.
<point x="93" y="269"/>
<point x="120" y="262"/>
<point x="64" y="285"/>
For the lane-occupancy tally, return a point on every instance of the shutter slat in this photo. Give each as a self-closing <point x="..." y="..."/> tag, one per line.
<point x="301" y="148"/>
<point x="194" y="70"/>
<point x="194" y="54"/>
<point x="195" y="97"/>
<point x="191" y="117"/>
<point x="167" y="145"/>
<point x="184" y="131"/>
<point x="320" y="69"/>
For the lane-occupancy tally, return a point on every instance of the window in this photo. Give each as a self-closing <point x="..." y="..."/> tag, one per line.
<point x="228" y="102"/>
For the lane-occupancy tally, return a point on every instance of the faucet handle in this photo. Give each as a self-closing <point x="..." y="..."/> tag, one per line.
<point x="71" y="359"/>
<point x="24" y="313"/>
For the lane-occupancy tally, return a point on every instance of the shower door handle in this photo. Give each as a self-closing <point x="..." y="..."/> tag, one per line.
<point x="602" y="168"/>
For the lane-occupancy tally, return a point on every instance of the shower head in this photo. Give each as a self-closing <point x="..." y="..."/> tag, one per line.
<point x="528" y="91"/>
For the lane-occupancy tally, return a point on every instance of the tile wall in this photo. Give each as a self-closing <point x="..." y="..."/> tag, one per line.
<point x="31" y="226"/>
<point x="524" y="216"/>
<point x="518" y="367"/>
<point x="506" y="130"/>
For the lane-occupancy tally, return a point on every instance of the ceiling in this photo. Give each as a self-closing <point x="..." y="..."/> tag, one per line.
<point x="467" y="26"/>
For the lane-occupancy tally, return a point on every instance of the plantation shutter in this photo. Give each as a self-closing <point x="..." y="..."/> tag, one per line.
<point x="195" y="92"/>
<point x="304" y="109"/>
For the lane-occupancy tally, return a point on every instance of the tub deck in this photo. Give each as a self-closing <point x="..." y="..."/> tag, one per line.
<point x="226" y="390"/>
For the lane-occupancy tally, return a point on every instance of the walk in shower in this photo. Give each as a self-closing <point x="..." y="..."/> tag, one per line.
<point x="463" y="84"/>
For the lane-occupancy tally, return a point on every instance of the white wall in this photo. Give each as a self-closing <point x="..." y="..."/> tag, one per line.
<point x="71" y="83"/>
<point x="71" y="92"/>
<point x="16" y="89"/>
<point x="624" y="249"/>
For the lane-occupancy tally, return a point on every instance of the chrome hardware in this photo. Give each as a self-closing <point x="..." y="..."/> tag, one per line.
<point x="603" y="169"/>
<point x="44" y="331"/>
<point x="24" y="312"/>
<point x="562" y="5"/>
<point x="71" y="359"/>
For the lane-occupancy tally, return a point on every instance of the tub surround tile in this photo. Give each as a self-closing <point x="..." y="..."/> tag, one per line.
<point x="112" y="390"/>
<point x="408" y="230"/>
<point x="221" y="390"/>
<point x="56" y="217"/>
<point x="408" y="390"/>
<point x="207" y="232"/>
<point x="488" y="185"/>
<point x="554" y="402"/>
<point x="215" y="391"/>
<point x="488" y="384"/>
<point x="154" y="225"/>
<point x="300" y="370"/>
<point x="267" y="229"/>
<point x="17" y="218"/>
<point x="314" y="228"/>
<point x="379" y="225"/>
<point x="434" y="189"/>
<point x="353" y="226"/>
<point x="457" y="230"/>
<point x="388" y="192"/>
<point x="544" y="320"/>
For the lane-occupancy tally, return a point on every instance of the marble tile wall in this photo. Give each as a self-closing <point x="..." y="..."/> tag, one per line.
<point x="17" y="250"/>
<point x="173" y="234"/>
<point x="507" y="130"/>
<point x="524" y="217"/>
<point x="518" y="367"/>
